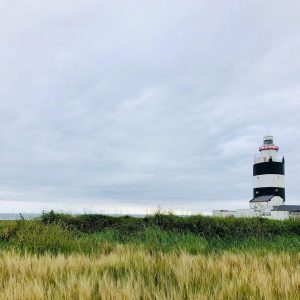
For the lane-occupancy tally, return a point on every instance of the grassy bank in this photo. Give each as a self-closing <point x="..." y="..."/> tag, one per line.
<point x="92" y="234"/>
<point x="130" y="273"/>
<point x="201" y="225"/>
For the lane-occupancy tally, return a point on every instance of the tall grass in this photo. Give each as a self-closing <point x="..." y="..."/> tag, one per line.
<point x="94" y="234"/>
<point x="130" y="273"/>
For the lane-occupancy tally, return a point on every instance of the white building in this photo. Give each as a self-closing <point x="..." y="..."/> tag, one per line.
<point x="268" y="187"/>
<point x="284" y="212"/>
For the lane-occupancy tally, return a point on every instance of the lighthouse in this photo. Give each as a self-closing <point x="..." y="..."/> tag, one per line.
<point x="268" y="171"/>
<point x="268" y="188"/>
<point x="268" y="179"/>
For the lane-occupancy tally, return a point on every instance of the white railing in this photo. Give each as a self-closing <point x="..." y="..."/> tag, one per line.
<point x="269" y="147"/>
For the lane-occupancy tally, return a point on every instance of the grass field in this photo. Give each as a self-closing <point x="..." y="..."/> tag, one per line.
<point x="157" y="257"/>
<point x="130" y="273"/>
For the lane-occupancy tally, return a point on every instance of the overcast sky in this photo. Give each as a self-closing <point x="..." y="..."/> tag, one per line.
<point x="127" y="106"/>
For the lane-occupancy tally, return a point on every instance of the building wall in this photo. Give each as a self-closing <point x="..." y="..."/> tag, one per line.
<point x="224" y="213"/>
<point x="264" y="211"/>
<point x="246" y="213"/>
<point x="275" y="201"/>
<point x="294" y="214"/>
<point x="279" y="215"/>
<point x="258" y="205"/>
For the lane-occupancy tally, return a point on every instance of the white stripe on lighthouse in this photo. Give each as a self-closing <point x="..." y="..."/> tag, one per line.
<point x="268" y="180"/>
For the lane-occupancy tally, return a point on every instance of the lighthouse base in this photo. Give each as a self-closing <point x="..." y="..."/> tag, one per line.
<point x="270" y="206"/>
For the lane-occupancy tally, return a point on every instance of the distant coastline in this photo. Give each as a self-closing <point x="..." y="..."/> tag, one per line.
<point x="30" y="216"/>
<point x="18" y="216"/>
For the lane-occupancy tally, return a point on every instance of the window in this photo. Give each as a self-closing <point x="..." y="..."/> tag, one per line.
<point x="268" y="142"/>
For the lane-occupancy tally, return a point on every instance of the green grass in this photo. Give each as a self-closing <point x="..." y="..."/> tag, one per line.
<point x="92" y="234"/>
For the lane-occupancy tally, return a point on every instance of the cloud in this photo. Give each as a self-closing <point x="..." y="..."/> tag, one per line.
<point x="144" y="104"/>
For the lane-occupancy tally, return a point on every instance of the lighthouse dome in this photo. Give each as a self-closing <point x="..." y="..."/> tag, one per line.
<point x="268" y="140"/>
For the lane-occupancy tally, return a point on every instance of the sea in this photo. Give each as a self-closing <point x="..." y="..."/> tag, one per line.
<point x="18" y="216"/>
<point x="28" y="216"/>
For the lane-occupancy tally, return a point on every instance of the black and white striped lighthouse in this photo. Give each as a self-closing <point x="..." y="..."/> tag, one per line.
<point x="268" y="171"/>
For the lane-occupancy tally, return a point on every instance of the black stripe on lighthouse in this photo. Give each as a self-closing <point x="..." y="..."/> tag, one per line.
<point x="264" y="191"/>
<point x="270" y="167"/>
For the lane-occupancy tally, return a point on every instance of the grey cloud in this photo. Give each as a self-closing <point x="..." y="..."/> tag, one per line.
<point x="145" y="103"/>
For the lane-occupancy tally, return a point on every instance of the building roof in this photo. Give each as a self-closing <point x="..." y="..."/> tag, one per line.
<point x="266" y="198"/>
<point x="287" y="208"/>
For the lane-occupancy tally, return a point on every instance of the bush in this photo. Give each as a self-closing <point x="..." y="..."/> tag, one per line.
<point x="204" y="226"/>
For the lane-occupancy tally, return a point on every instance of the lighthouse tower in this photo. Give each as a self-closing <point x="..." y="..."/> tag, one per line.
<point x="268" y="188"/>
<point x="268" y="172"/>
